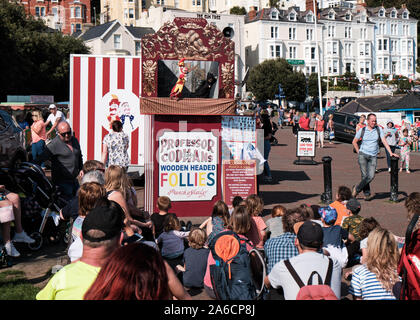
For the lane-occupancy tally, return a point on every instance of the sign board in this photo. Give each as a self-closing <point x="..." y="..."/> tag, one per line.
<point x="188" y="165"/>
<point x="239" y="179"/>
<point x="306" y="143"/>
<point x="295" y="62"/>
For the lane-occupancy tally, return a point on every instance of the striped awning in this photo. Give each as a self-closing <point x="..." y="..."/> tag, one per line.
<point x="187" y="106"/>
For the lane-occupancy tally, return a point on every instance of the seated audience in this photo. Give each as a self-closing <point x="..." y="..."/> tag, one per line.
<point x="274" y="224"/>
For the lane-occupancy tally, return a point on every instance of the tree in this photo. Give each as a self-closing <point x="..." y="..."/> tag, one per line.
<point x="241" y="11"/>
<point x="34" y="59"/>
<point x="313" y="89"/>
<point x="264" y="79"/>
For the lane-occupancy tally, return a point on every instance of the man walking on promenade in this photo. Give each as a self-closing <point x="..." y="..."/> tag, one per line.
<point x="370" y="137"/>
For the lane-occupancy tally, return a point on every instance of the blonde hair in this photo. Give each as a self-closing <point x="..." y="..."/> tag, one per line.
<point x="117" y="180"/>
<point x="383" y="256"/>
<point x="197" y="238"/>
<point x="330" y="116"/>
<point x="255" y="204"/>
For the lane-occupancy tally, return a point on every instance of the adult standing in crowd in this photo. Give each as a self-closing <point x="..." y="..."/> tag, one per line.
<point x="319" y="128"/>
<point x="38" y="134"/>
<point x="115" y="146"/>
<point x="281" y="117"/>
<point x="101" y="234"/>
<point x="295" y="120"/>
<point x="391" y="136"/>
<point x="304" y="122"/>
<point x="330" y="127"/>
<point x="361" y="123"/>
<point x="367" y="154"/>
<point x="55" y="117"/>
<point x="66" y="160"/>
<point x="268" y="132"/>
<point x="312" y="121"/>
<point x="308" y="242"/>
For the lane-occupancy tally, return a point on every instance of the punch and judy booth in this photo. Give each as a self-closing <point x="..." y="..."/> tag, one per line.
<point x="187" y="78"/>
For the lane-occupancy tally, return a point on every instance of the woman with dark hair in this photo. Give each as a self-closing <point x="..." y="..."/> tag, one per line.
<point x="115" y="146"/>
<point x="136" y="272"/>
<point x="218" y="221"/>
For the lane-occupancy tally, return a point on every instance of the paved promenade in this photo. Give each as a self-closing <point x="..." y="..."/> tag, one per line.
<point x="297" y="184"/>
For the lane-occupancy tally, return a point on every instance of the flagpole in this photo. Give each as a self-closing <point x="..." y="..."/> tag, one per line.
<point x="321" y="111"/>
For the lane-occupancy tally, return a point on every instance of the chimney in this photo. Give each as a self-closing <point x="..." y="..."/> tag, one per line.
<point x="310" y="6"/>
<point x="403" y="6"/>
<point x="252" y="13"/>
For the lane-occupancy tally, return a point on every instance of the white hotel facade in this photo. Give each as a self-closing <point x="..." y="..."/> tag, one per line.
<point x="363" y="40"/>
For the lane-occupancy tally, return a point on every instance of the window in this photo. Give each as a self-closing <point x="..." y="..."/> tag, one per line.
<point x="367" y="49"/>
<point x="331" y="31"/>
<point x="313" y="53"/>
<point x="292" y="33"/>
<point x="348" y="67"/>
<point x="309" y="18"/>
<point x="405" y="15"/>
<point x="78" y="27"/>
<point x="331" y="15"/>
<point x="381" y="13"/>
<point x="385" y="44"/>
<point x="348" y="49"/>
<point x="381" y="28"/>
<point x="117" y="41"/>
<point x="292" y="52"/>
<point x="137" y="48"/>
<point x="393" y="29"/>
<point x="393" y="45"/>
<point x="40" y="11"/>
<point x="386" y="64"/>
<point x="309" y="34"/>
<point x="72" y="28"/>
<point x="393" y="14"/>
<point x="198" y="2"/>
<point x="274" y="32"/>
<point x="361" y="49"/>
<point x="367" y="67"/>
<point x="347" y="32"/>
<point x="131" y="13"/>
<point x="363" y="33"/>
<point x="274" y="15"/>
<point x="335" y="48"/>
<point x="126" y="13"/>
<point x="77" y="12"/>
<point x="275" y="51"/>
<point x="409" y="46"/>
<point x="405" y="30"/>
<point x="292" y="16"/>
<point x="380" y="44"/>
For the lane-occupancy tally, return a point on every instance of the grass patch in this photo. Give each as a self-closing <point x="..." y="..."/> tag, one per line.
<point x="15" y="286"/>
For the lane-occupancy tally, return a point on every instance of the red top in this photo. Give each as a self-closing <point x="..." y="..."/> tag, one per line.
<point x="319" y="125"/>
<point x="304" y="123"/>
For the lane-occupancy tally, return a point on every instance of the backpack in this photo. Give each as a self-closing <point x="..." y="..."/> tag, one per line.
<point x="321" y="291"/>
<point x="359" y="143"/>
<point x="409" y="264"/>
<point x="231" y="275"/>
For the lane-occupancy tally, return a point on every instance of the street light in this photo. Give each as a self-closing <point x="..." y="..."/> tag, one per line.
<point x="321" y="111"/>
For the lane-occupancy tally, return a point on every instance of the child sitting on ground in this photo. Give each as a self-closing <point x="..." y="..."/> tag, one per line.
<point x="195" y="260"/>
<point x="235" y="202"/>
<point x="256" y="234"/>
<point x="365" y="227"/>
<point x="351" y="224"/>
<point x="158" y="219"/>
<point x="343" y="195"/>
<point x="275" y="224"/>
<point x="171" y="240"/>
<point x="334" y="236"/>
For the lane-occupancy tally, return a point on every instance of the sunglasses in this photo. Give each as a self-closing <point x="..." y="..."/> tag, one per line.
<point x="68" y="133"/>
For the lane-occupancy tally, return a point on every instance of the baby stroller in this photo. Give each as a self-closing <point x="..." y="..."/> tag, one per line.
<point x="40" y="201"/>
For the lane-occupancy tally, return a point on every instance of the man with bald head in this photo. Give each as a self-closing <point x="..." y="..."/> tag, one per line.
<point x="66" y="160"/>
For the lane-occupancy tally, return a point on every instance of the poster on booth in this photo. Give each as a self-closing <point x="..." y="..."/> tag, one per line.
<point x="239" y="179"/>
<point x="188" y="165"/>
<point x="306" y="144"/>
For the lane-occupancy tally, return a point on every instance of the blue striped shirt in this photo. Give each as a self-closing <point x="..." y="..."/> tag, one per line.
<point x="280" y="248"/>
<point x="364" y="284"/>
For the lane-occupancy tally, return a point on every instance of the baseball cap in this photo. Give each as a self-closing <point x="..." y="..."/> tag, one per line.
<point x="108" y="219"/>
<point x="329" y="214"/>
<point x="353" y="205"/>
<point x="309" y="234"/>
<point x="52" y="106"/>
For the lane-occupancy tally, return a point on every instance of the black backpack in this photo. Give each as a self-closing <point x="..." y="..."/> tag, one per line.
<point x="359" y="143"/>
<point x="231" y="275"/>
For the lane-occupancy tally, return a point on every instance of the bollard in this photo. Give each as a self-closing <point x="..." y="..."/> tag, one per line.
<point x="394" y="179"/>
<point x="326" y="197"/>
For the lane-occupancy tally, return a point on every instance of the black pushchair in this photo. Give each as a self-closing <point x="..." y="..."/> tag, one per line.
<point x="41" y="199"/>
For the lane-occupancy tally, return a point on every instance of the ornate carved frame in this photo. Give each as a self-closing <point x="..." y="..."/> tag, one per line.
<point x="192" y="39"/>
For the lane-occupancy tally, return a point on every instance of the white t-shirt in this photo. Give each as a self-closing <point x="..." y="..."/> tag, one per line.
<point x="304" y="264"/>
<point x="57" y="115"/>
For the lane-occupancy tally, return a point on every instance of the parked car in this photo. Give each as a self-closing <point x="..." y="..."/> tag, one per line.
<point x="345" y="100"/>
<point x="12" y="141"/>
<point x="344" y="125"/>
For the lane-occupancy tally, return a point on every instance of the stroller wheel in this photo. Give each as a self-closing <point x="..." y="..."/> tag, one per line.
<point x="38" y="241"/>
